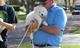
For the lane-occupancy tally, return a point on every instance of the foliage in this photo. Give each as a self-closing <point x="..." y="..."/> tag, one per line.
<point x="21" y="17"/>
<point x="75" y="30"/>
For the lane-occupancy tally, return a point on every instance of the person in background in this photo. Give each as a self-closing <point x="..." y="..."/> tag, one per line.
<point x="8" y="15"/>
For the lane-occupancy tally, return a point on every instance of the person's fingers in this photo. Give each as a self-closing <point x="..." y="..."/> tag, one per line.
<point x="35" y="24"/>
<point x="14" y="27"/>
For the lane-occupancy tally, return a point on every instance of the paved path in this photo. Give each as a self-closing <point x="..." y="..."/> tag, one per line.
<point x="71" y="39"/>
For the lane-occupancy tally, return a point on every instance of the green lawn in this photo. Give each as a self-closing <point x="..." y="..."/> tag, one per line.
<point x="25" y="46"/>
<point x="63" y="46"/>
<point x="21" y="17"/>
<point x="71" y="46"/>
<point x="68" y="11"/>
<point x="75" y="31"/>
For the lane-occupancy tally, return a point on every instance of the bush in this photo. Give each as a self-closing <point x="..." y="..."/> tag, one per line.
<point x="75" y="30"/>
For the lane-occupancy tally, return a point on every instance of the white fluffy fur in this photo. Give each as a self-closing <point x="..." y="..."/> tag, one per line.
<point x="37" y="13"/>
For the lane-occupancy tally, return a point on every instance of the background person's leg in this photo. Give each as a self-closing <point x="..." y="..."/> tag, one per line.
<point x="3" y="45"/>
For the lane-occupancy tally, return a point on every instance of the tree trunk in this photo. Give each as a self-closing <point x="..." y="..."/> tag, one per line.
<point x="29" y="5"/>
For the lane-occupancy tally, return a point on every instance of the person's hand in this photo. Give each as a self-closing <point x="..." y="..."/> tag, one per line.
<point x="14" y="27"/>
<point x="8" y="26"/>
<point x="34" y="24"/>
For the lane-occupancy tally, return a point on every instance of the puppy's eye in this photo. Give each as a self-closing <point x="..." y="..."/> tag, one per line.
<point x="41" y="14"/>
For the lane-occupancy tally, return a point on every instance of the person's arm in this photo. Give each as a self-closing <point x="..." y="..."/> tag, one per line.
<point x="8" y="26"/>
<point x="51" y="29"/>
<point x="58" y="26"/>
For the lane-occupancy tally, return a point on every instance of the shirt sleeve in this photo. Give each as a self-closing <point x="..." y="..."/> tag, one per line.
<point x="60" y="19"/>
<point x="12" y="15"/>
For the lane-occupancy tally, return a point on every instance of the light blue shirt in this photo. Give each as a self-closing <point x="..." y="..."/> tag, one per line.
<point x="57" y="18"/>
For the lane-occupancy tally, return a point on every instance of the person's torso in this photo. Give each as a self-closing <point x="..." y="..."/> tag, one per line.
<point x="41" y="37"/>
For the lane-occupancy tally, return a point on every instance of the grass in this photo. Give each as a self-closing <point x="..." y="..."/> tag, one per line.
<point x="68" y="11"/>
<point x="75" y="30"/>
<point x="25" y="46"/>
<point x="63" y="46"/>
<point x="70" y="46"/>
<point x="21" y="17"/>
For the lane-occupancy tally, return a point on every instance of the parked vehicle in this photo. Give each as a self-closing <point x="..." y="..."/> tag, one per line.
<point x="76" y="8"/>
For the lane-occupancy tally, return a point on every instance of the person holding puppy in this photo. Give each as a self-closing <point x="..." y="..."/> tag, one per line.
<point x="50" y="36"/>
<point x="38" y="12"/>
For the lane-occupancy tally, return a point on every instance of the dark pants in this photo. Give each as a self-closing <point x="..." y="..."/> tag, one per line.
<point x="3" y="45"/>
<point x="4" y="36"/>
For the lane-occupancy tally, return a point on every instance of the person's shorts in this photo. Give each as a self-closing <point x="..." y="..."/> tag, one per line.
<point x="45" y="46"/>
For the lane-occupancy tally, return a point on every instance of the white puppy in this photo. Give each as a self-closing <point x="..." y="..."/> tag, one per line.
<point x="36" y="14"/>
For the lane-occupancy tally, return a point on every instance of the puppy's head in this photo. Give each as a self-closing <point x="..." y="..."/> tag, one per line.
<point x="42" y="11"/>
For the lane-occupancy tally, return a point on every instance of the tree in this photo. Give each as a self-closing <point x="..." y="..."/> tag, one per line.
<point x="29" y="5"/>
